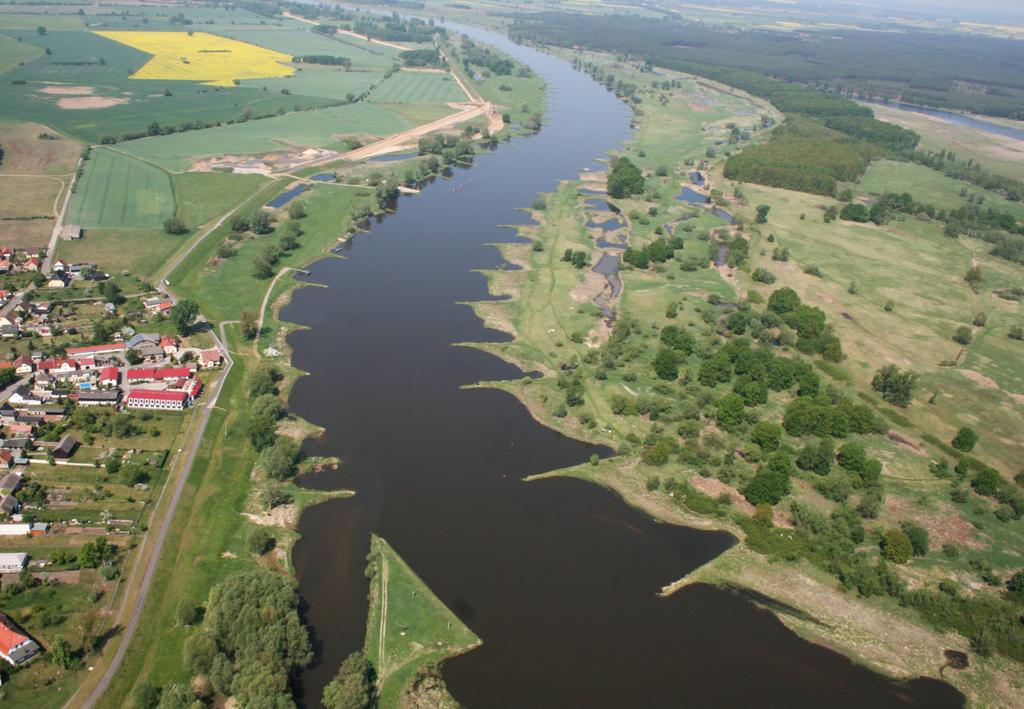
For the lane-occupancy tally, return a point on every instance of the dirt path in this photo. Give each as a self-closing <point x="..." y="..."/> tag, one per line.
<point x="408" y="137"/>
<point x="58" y="223"/>
<point x="382" y="670"/>
<point x="263" y="306"/>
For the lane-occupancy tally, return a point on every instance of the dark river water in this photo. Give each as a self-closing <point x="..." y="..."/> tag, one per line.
<point x="558" y="577"/>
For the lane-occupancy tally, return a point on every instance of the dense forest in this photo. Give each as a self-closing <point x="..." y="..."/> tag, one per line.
<point x="802" y="155"/>
<point x="958" y="71"/>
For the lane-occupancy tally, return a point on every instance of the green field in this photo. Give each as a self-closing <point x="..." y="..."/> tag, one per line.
<point x="290" y="132"/>
<point x="119" y="192"/>
<point x="321" y="81"/>
<point x="86" y="59"/>
<point x="929" y="186"/>
<point x="223" y="290"/>
<point x="13" y="52"/>
<point x="419" y="87"/>
<point x="297" y="39"/>
<point x="419" y="629"/>
<point x="204" y="196"/>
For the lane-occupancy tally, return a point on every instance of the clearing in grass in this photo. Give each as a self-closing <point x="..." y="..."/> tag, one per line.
<point x="119" y="192"/>
<point x="199" y="56"/>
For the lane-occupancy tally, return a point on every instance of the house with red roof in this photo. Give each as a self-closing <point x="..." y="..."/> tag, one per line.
<point x="23" y="365"/>
<point x="168" y="344"/>
<point x="167" y="400"/>
<point x="110" y="377"/>
<point x="33" y="264"/>
<point x="56" y="365"/>
<point x="208" y="359"/>
<point x="148" y="374"/>
<point x="16" y="647"/>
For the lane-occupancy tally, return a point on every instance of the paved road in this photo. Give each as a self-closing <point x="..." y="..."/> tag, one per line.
<point x="161" y="535"/>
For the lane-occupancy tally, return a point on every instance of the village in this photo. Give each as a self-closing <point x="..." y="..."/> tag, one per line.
<point x="96" y="386"/>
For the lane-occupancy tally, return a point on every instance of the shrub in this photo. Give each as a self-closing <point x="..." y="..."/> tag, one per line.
<point x="259" y="541"/>
<point x="918" y="537"/>
<point x="896" y="547"/>
<point x="965" y="439"/>
<point x="963" y="335"/>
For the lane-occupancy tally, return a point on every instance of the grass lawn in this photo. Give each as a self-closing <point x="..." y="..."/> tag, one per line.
<point x="293" y="131"/>
<point x="417" y="629"/>
<point x="119" y="192"/>
<point x="930" y="186"/>
<point x="418" y="87"/>
<point x="223" y="290"/>
<point x="141" y="252"/>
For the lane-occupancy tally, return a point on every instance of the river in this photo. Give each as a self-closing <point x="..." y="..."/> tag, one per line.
<point x="951" y="117"/>
<point x="558" y="577"/>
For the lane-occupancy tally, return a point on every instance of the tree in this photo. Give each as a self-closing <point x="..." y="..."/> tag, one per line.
<point x="767" y="435"/>
<point x="112" y="292"/>
<point x="762" y="214"/>
<point x="784" y="300"/>
<point x="239" y="223"/>
<point x="278" y="461"/>
<point x="896" y="547"/>
<point x="895" y="386"/>
<point x="173" y="225"/>
<point x="296" y="210"/>
<point x="183" y="314"/>
<point x="771" y="482"/>
<point x="40" y="30"/>
<point x="666" y="364"/>
<point x="625" y="179"/>
<point x="352" y="687"/>
<point x="60" y="653"/>
<point x="250" y="325"/>
<point x="918" y="537"/>
<point x="973" y="278"/>
<point x="830" y="214"/>
<point x="259" y="223"/>
<point x="965" y="439"/>
<point x="731" y="412"/>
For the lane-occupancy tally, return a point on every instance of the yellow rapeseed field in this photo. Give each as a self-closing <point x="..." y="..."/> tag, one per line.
<point x="218" y="61"/>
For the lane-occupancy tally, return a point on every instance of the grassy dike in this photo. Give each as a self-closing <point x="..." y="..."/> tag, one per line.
<point x="409" y="632"/>
<point x="207" y="540"/>
<point x="551" y="314"/>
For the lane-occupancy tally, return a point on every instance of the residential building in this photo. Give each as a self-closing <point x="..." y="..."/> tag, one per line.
<point x="168" y="344"/>
<point x="9" y="505"/>
<point x="96" y="350"/>
<point x="110" y="377"/>
<point x="160" y="400"/>
<point x="16" y="647"/>
<point x="99" y="397"/>
<point x="10" y="482"/>
<point x="13" y="563"/>
<point x="66" y="447"/>
<point x="208" y="359"/>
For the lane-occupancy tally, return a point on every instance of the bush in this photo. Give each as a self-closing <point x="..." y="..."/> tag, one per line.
<point x="965" y="439"/>
<point x="895" y="386"/>
<point x="896" y="547"/>
<point x="963" y="335"/>
<point x="173" y="225"/>
<point x="259" y="541"/>
<point x="918" y="537"/>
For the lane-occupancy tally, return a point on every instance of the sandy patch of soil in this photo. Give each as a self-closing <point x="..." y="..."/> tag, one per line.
<point x="495" y="317"/>
<point x="86" y="102"/>
<point x="1019" y="398"/>
<point x="68" y="90"/>
<point x="599" y="334"/>
<point x="588" y="288"/>
<point x="715" y="488"/>
<point x="944" y="525"/>
<point x="979" y="379"/>
<point x="283" y="516"/>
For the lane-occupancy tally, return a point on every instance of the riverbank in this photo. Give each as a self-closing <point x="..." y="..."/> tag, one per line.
<point x="608" y="393"/>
